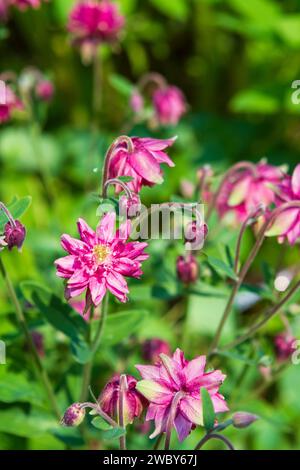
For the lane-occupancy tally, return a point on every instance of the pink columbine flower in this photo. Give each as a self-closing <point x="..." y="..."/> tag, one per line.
<point x="24" y="4"/>
<point x="173" y="375"/>
<point x="95" y="22"/>
<point x="187" y="269"/>
<point x="142" y="163"/>
<point x="287" y="224"/>
<point x="100" y="260"/>
<point x="133" y="401"/>
<point x="12" y="102"/>
<point x="284" y="346"/>
<point x="248" y="189"/>
<point x="152" y="348"/>
<point x="169" y="104"/>
<point x="44" y="90"/>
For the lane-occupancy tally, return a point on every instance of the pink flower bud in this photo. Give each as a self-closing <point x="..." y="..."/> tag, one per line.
<point x="169" y="103"/>
<point x="187" y="269"/>
<point x="196" y="233"/>
<point x="136" y="102"/>
<point x="130" y="206"/>
<point x="74" y="415"/>
<point x="132" y="401"/>
<point x="14" y="234"/>
<point x="44" y="90"/>
<point x="152" y="348"/>
<point x="242" y="419"/>
<point x="284" y="346"/>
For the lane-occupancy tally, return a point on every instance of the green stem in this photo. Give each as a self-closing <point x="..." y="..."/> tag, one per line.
<point x="87" y="370"/>
<point x="123" y="390"/>
<point x="214" y="436"/>
<point x="21" y="318"/>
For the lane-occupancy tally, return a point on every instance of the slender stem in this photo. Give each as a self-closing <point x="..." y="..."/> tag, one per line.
<point x="8" y="214"/>
<point x="117" y="181"/>
<point x="101" y="413"/>
<point x="171" y="418"/>
<point x="87" y="370"/>
<point x="38" y="363"/>
<point x="266" y="318"/>
<point x="214" y="436"/>
<point x="152" y="77"/>
<point x="123" y="390"/>
<point x="109" y="154"/>
<point x="247" y="265"/>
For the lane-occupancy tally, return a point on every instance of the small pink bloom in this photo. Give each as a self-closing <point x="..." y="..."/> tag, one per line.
<point x="133" y="400"/>
<point x="242" y="419"/>
<point x="187" y="269"/>
<point x="100" y="260"/>
<point x="285" y="346"/>
<point x="196" y="233"/>
<point x="44" y="90"/>
<point x="24" y="4"/>
<point x="12" y="102"/>
<point x="162" y="382"/>
<point x="130" y="206"/>
<point x="95" y="22"/>
<point x="136" y="102"/>
<point x="248" y="189"/>
<point x="142" y="164"/>
<point x="152" y="348"/>
<point x="287" y="224"/>
<point x="14" y="233"/>
<point x="170" y="104"/>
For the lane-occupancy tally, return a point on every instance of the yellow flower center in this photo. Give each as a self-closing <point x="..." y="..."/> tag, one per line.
<point x="100" y="253"/>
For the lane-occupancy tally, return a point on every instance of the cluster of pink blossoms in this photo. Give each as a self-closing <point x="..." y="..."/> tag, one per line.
<point x="92" y="23"/>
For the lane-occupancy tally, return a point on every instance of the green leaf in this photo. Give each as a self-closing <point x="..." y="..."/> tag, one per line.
<point x="121" y="84"/>
<point x="100" y="423"/>
<point x="16" y="388"/>
<point x="208" y="410"/>
<point x="177" y="9"/>
<point x="125" y="179"/>
<point x="113" y="433"/>
<point x="17" y="208"/>
<point x="120" y="326"/>
<point x="222" y="268"/>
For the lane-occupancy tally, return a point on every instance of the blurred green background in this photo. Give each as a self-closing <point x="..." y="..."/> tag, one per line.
<point x="235" y="60"/>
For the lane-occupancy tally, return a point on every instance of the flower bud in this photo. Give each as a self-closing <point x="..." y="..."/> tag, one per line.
<point x="136" y="102"/>
<point x="132" y="400"/>
<point x="74" y="415"/>
<point x="242" y="419"/>
<point x="152" y="348"/>
<point x="284" y="346"/>
<point x="196" y="233"/>
<point x="44" y="90"/>
<point x="14" y="233"/>
<point x="187" y="269"/>
<point x="130" y="206"/>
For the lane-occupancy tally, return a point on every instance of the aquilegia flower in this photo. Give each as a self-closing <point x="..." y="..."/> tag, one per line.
<point x="95" y="22"/>
<point x="133" y="400"/>
<point x="14" y="233"/>
<point x="287" y="224"/>
<point x="100" y="260"/>
<point x="169" y="104"/>
<point x="285" y="345"/>
<point x="142" y="163"/>
<point x="9" y="104"/>
<point x="163" y="381"/>
<point x="248" y="189"/>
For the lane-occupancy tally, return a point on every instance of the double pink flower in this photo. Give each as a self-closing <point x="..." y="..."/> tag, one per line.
<point x="99" y="260"/>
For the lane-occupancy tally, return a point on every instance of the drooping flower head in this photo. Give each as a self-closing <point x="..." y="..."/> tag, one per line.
<point x="287" y="225"/>
<point x="173" y="375"/>
<point x="93" y="22"/>
<point x="100" y="259"/>
<point x="14" y="233"/>
<point x="169" y="104"/>
<point x="187" y="269"/>
<point x="285" y="345"/>
<point x="142" y="162"/>
<point x="133" y="401"/>
<point x="9" y="104"/>
<point x="249" y="188"/>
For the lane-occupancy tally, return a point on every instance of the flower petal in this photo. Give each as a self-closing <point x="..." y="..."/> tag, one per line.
<point x="146" y="166"/>
<point x="296" y="181"/>
<point x="106" y="228"/>
<point x="97" y="289"/>
<point x="191" y="408"/>
<point x="283" y="222"/>
<point x="155" y="392"/>
<point x="183" y="426"/>
<point x="86" y="233"/>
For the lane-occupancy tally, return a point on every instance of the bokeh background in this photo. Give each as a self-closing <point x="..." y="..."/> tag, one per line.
<point x="235" y="60"/>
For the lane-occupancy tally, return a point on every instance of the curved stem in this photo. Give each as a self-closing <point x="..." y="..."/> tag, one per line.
<point x="214" y="436"/>
<point x="38" y="363"/>
<point x="87" y="371"/>
<point x="109" y="154"/>
<point x="123" y="390"/>
<point x="101" y="413"/>
<point x="267" y="317"/>
<point x="239" y="166"/>
<point x="247" y="265"/>
<point x="116" y="181"/>
<point x="154" y="78"/>
<point x="8" y="214"/>
<point x="171" y="418"/>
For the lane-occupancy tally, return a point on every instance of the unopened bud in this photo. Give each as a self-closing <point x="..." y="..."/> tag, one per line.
<point x="14" y="233"/>
<point x="74" y="415"/>
<point x="187" y="269"/>
<point x="242" y="419"/>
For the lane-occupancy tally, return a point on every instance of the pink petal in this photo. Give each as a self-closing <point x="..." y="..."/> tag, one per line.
<point x="65" y="266"/>
<point x="195" y="369"/>
<point x="106" y="229"/>
<point x="73" y="246"/>
<point x="117" y="281"/>
<point x="170" y="370"/>
<point x="97" y="290"/>
<point x="149" y="372"/>
<point x="155" y="392"/>
<point x="124" y="230"/>
<point x="146" y="166"/>
<point x="220" y="405"/>
<point x="240" y="192"/>
<point x="161" y="418"/>
<point x="283" y="222"/>
<point x="183" y="426"/>
<point x="192" y="409"/>
<point x="296" y="181"/>
<point x="155" y="144"/>
<point x="86" y="233"/>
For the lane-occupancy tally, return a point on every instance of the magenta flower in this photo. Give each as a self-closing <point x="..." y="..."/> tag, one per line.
<point x="95" y="22"/>
<point x="133" y="400"/>
<point x="130" y="206"/>
<point x="15" y="234"/>
<point x="248" y="189"/>
<point x="169" y="104"/>
<point x="152" y="348"/>
<point x="284" y="346"/>
<point x="24" y="4"/>
<point x="100" y="260"/>
<point x="142" y="163"/>
<point x="12" y="103"/>
<point x="44" y="90"/>
<point x="163" y="381"/>
<point x="187" y="269"/>
<point x="287" y="224"/>
<point x="136" y="102"/>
